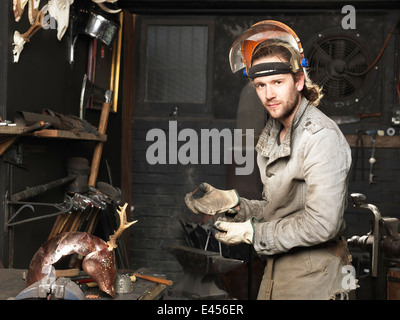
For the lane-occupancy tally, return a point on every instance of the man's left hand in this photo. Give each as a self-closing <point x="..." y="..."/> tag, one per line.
<point x="235" y="232"/>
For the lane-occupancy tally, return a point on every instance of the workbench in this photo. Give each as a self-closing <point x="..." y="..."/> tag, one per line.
<point x="12" y="283"/>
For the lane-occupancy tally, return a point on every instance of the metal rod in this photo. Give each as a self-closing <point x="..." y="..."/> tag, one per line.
<point x="34" y="191"/>
<point x="61" y="208"/>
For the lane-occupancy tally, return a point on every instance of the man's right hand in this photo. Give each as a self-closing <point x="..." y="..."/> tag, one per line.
<point x="214" y="201"/>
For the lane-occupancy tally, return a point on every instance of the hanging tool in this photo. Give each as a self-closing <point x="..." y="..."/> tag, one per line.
<point x="359" y="148"/>
<point x="353" y="119"/>
<point x="66" y="206"/>
<point x="372" y="159"/>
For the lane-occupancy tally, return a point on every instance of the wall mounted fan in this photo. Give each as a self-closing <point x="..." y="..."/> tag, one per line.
<point x="338" y="64"/>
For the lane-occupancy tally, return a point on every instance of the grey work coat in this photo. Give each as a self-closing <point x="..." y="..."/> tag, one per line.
<point x="301" y="215"/>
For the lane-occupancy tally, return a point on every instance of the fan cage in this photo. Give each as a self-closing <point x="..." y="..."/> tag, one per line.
<point x="338" y="64"/>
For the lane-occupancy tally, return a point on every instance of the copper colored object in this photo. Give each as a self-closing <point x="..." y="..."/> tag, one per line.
<point x="154" y="279"/>
<point x="99" y="261"/>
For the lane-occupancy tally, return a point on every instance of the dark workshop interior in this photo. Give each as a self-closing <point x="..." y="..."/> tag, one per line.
<point x="77" y="108"/>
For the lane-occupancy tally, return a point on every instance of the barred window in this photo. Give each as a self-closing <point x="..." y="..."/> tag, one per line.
<point x="176" y="64"/>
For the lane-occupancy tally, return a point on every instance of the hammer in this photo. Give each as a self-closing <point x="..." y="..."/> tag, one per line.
<point x="90" y="283"/>
<point x="153" y="279"/>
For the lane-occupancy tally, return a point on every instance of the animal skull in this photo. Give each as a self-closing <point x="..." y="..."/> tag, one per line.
<point x="18" y="44"/>
<point x="59" y="10"/>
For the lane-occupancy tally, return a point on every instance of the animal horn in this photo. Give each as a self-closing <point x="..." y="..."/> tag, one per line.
<point x="123" y="224"/>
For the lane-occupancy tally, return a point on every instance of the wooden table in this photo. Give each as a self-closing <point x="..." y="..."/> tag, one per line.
<point x="12" y="283"/>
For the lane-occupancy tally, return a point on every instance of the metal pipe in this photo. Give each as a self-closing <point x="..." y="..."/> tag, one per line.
<point x="34" y="191"/>
<point x="359" y="201"/>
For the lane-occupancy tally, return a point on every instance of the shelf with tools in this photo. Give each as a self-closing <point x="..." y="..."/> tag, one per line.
<point x="9" y="134"/>
<point x="51" y="133"/>
<point x="380" y="142"/>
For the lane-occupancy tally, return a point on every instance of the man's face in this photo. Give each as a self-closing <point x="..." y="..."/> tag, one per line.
<point x="278" y="93"/>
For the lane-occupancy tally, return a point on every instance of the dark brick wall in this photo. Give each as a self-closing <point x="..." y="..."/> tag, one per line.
<point x="158" y="197"/>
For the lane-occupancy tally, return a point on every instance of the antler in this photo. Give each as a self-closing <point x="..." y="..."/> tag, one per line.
<point x="123" y="224"/>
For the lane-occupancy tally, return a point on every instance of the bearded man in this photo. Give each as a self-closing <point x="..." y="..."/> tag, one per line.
<point x="304" y="162"/>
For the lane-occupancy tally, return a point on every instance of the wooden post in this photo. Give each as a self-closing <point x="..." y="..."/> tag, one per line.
<point x="98" y="149"/>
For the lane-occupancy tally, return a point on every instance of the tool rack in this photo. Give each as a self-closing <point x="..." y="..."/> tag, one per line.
<point x="381" y="141"/>
<point x="8" y="136"/>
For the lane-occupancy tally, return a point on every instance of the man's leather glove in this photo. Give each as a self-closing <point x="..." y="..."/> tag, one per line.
<point x="235" y="232"/>
<point x="214" y="201"/>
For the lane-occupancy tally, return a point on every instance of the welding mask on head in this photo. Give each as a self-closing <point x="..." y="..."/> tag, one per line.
<point x="260" y="34"/>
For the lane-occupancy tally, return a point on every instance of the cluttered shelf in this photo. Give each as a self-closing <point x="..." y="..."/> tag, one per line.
<point x="52" y="133"/>
<point x="69" y="135"/>
<point x="380" y="141"/>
